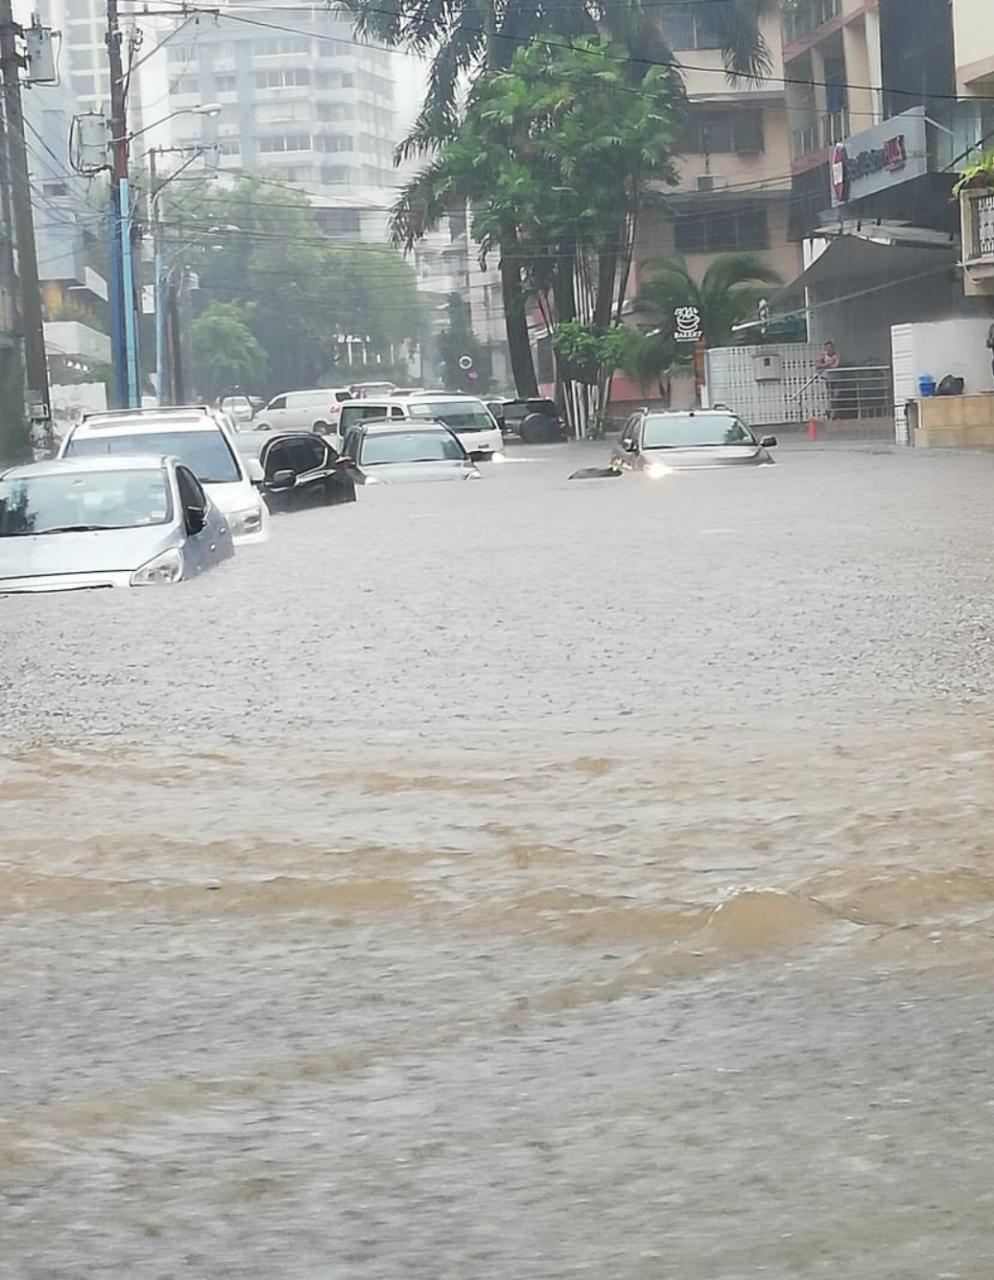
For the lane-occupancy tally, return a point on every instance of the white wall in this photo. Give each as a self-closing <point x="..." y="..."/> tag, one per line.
<point x="945" y="346"/>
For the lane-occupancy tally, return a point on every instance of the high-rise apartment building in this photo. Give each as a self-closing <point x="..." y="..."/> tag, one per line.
<point x="310" y="105"/>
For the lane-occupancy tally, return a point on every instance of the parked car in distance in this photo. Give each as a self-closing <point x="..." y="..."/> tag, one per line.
<point x="404" y="452"/>
<point x="536" y="421"/>
<point x="300" y="469"/>
<point x="201" y="440"/>
<point x="242" y="409"/>
<point x="316" y="410"/>
<point x="660" y="441"/>
<point x="106" y="522"/>
<point x="363" y="390"/>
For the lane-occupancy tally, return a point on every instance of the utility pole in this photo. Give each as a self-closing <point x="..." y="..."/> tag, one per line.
<point x="125" y="332"/>
<point x="159" y="291"/>
<point x="38" y="397"/>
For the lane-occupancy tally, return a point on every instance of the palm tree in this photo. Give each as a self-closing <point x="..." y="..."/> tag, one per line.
<point x="465" y="38"/>
<point x="729" y="292"/>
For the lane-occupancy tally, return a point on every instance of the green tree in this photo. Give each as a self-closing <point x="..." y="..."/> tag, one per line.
<point x="225" y="352"/>
<point x="457" y="340"/>
<point x="555" y="156"/>
<point x="729" y="292"/>
<point x="300" y="293"/>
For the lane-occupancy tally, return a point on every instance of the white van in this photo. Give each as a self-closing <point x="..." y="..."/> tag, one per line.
<point x="467" y="417"/>
<point x="316" y="410"/>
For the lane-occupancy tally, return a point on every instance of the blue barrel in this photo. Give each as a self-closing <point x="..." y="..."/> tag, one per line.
<point x="926" y="385"/>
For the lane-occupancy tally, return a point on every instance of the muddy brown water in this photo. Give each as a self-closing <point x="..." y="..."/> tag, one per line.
<point x="554" y="879"/>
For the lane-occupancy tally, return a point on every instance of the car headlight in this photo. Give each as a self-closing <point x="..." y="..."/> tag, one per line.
<point x="656" y="470"/>
<point x="244" y="522"/>
<point x="164" y="568"/>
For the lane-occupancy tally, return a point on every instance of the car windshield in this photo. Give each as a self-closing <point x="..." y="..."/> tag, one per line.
<point x="693" y="430"/>
<point x="410" y="446"/>
<point x="358" y="411"/>
<point x="71" y="501"/>
<point x="460" y="415"/>
<point x="206" y="453"/>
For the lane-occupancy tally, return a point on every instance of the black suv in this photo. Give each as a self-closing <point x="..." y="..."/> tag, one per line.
<point x="536" y="421"/>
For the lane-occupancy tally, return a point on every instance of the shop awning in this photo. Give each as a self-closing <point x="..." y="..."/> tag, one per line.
<point x="853" y="264"/>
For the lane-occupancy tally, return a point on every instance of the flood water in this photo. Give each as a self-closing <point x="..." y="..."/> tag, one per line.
<point x="529" y="878"/>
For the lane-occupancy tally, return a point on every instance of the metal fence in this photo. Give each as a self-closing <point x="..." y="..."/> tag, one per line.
<point x="855" y="399"/>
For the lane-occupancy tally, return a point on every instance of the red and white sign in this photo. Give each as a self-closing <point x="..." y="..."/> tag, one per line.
<point x="840" y="174"/>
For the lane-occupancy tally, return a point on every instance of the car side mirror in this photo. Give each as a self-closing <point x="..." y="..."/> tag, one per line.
<point x="283" y="480"/>
<point x="629" y="446"/>
<point x="196" y="519"/>
<point x="254" y="471"/>
<point x="768" y="442"/>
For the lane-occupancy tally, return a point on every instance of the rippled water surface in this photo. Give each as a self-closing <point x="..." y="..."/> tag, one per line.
<point x="523" y="879"/>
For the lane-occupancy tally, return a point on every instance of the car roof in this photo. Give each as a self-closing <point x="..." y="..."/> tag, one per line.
<point x="441" y="395"/>
<point x="148" y="426"/>
<point x="690" y="413"/>
<point x="155" y="411"/>
<point x="402" y="426"/>
<point x="96" y="462"/>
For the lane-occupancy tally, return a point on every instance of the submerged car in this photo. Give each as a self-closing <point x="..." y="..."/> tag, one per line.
<point x="397" y="452"/>
<point x="200" y="439"/>
<point x="660" y="441"/>
<point x="536" y="421"/>
<point x="300" y="469"/>
<point x="106" y="522"/>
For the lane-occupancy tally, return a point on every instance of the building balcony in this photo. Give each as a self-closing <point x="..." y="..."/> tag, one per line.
<point x="71" y="338"/>
<point x="803" y="18"/>
<point x="821" y="132"/>
<point x="977" y="219"/>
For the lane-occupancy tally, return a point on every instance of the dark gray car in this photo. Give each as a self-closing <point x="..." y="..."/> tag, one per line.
<point x="106" y="522"/>
<point x="396" y="452"/>
<point x="659" y="441"/>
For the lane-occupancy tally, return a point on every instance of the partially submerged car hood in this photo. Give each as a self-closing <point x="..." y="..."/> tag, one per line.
<point x="412" y="472"/>
<point x="102" y="551"/>
<point x="726" y="455"/>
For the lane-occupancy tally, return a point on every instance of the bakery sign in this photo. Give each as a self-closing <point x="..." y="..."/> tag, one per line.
<point x="893" y="152"/>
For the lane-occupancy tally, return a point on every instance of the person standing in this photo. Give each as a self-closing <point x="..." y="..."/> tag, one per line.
<point x="990" y="346"/>
<point x="827" y="364"/>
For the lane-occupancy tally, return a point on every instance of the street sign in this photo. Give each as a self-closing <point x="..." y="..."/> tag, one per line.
<point x="465" y="363"/>
<point x="687" y="324"/>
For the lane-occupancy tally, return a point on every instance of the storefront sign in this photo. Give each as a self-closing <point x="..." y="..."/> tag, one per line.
<point x="687" y="324"/>
<point x="880" y="158"/>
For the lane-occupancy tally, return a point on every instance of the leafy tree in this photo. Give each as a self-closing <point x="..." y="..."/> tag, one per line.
<point x="591" y="356"/>
<point x="729" y="292"/>
<point x="299" y="293"/>
<point x="225" y="351"/>
<point x="554" y="155"/>
<point x="456" y="340"/>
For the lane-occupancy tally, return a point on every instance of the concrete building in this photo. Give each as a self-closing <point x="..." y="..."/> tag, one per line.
<point x="312" y="106"/>
<point x="973" y="30"/>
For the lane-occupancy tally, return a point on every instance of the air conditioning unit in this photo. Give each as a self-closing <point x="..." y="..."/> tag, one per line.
<point x="711" y="182"/>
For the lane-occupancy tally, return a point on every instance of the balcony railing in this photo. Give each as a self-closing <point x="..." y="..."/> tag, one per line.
<point x="801" y="17"/>
<point x="825" y="131"/>
<point x="853" y="393"/>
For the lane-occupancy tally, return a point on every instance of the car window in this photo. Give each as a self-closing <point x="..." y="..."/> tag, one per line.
<point x="68" y="499"/>
<point x="342" y="396"/>
<point x="410" y="446"/>
<point x="206" y="453"/>
<point x="460" y="415"/>
<point x="190" y="492"/>
<point x="303" y="456"/>
<point x="694" y="430"/>
<point x="360" y="411"/>
<point x="278" y="403"/>
<point x="396" y="411"/>
<point x="278" y="459"/>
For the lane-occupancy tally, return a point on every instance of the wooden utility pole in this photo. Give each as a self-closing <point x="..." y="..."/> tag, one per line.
<point x="30" y="315"/>
<point x="125" y="327"/>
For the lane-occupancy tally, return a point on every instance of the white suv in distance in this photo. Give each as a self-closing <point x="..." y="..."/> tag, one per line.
<point x="196" y="437"/>
<point x="467" y="416"/>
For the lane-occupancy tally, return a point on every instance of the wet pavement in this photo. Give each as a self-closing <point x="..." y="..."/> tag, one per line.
<point x="530" y="878"/>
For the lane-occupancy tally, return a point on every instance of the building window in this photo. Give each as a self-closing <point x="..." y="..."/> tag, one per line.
<point x="225" y="84"/>
<point x="282" y="44"/>
<point x="694" y="26"/>
<point x="334" y="174"/>
<point x="186" y="84"/>
<point x="720" y="132"/>
<point x="229" y="147"/>
<point x="284" y="78"/>
<point x="722" y="230"/>
<point x="334" y="142"/>
<point x="286" y="142"/>
<point x="82" y="86"/>
<point x="805" y="15"/>
<point x="182" y="52"/>
<point x="333" y="111"/>
<point x="338" y="222"/>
